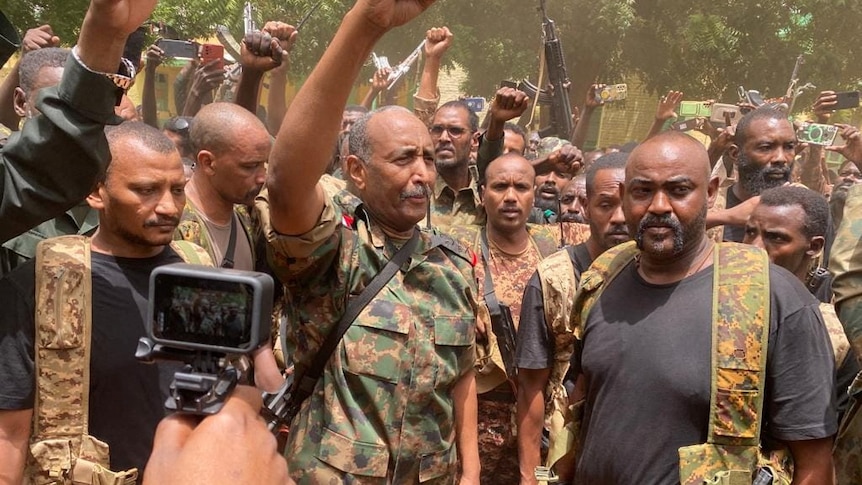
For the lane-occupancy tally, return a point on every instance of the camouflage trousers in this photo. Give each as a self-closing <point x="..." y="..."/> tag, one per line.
<point x="498" y="444"/>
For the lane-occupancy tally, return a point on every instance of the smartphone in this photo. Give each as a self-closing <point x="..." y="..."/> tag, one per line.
<point x="686" y="125"/>
<point x="612" y="92"/>
<point x="817" y="134"/>
<point x="476" y="105"/>
<point x="694" y="109"/>
<point x="846" y="100"/>
<point x="212" y="51"/>
<point x="720" y="113"/>
<point x="178" y="49"/>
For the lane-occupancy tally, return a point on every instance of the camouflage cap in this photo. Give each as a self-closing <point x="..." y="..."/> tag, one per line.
<point x="550" y="143"/>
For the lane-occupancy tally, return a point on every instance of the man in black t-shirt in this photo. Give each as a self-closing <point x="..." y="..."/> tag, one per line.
<point x="646" y="345"/>
<point x="139" y="204"/>
<point x="763" y="149"/>
<point x="536" y="343"/>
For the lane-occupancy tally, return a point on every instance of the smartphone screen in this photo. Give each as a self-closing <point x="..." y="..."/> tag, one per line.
<point x="847" y="100"/>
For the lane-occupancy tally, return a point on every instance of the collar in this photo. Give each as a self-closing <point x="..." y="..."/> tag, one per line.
<point x="440" y="185"/>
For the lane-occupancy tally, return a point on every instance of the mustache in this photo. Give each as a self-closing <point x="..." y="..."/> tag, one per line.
<point x="162" y="221"/>
<point x="617" y="230"/>
<point x="665" y="220"/>
<point x="418" y="191"/>
<point x="572" y="217"/>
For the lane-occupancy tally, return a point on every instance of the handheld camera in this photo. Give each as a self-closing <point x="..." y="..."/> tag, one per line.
<point x="211" y="319"/>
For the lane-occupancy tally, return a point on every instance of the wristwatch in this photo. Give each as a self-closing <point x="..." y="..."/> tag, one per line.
<point x="122" y="79"/>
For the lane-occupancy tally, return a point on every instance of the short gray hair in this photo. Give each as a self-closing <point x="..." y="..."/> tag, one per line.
<point x="358" y="143"/>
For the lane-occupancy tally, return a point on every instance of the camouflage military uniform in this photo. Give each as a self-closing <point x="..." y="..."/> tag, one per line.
<point x="845" y="263"/>
<point x="382" y="412"/>
<point x="81" y="219"/>
<point x="498" y="446"/>
<point x="450" y="209"/>
<point x="193" y="229"/>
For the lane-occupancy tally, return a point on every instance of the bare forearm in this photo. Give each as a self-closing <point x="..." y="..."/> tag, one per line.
<point x="428" y="81"/>
<point x="99" y="47"/>
<point x="313" y="120"/>
<point x="466" y="425"/>
<point x="812" y="462"/>
<point x="148" y="99"/>
<point x="655" y="128"/>
<point x="582" y="128"/>
<point x="248" y="89"/>
<point x="368" y="100"/>
<point x="531" y="412"/>
<point x="276" y="101"/>
<point x="810" y="172"/>
<point x="8" y="116"/>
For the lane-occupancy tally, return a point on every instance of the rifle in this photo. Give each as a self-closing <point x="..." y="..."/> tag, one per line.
<point x="248" y="18"/>
<point x="401" y="69"/>
<point x="561" y="107"/>
<point x="790" y="95"/>
<point x="308" y="15"/>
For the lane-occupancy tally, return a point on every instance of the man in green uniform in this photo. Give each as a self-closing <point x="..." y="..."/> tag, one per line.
<point x="52" y="164"/>
<point x="396" y="402"/>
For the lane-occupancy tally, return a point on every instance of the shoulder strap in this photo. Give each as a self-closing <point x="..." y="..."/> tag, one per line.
<point x="191" y="253"/>
<point x="63" y="320"/>
<point x="227" y="260"/>
<point x="490" y="294"/>
<point x="594" y="280"/>
<point x="740" y="334"/>
<point x="306" y="383"/>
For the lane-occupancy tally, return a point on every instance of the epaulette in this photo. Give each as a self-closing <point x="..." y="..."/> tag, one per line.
<point x="446" y="242"/>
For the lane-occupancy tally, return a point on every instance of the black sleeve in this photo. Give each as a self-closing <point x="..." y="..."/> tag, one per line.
<point x="487" y="152"/>
<point x="16" y="338"/>
<point x="534" y="343"/>
<point x="801" y="371"/>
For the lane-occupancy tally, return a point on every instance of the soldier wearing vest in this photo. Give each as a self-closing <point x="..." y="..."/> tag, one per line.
<point x="691" y="351"/>
<point x="106" y="399"/>
<point x="509" y="249"/>
<point x="231" y="149"/>
<point x="545" y="342"/>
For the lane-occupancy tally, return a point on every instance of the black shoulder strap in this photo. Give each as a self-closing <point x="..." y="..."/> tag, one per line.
<point x="227" y="261"/>
<point x="490" y="294"/>
<point x="305" y="385"/>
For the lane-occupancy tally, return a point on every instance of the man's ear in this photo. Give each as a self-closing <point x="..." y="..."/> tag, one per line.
<point x="712" y="191"/>
<point x="474" y="141"/>
<point x="96" y="199"/>
<point x="815" y="246"/>
<point x="204" y="162"/>
<point x="20" y="103"/>
<point x="356" y="171"/>
<point x="732" y="152"/>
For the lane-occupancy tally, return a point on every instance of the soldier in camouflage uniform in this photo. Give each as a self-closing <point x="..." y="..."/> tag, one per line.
<point x="456" y="198"/>
<point x="646" y="362"/>
<point x="845" y="263"/>
<point x="231" y="149"/>
<point x="514" y="248"/>
<point x="545" y="335"/>
<point x="396" y="402"/>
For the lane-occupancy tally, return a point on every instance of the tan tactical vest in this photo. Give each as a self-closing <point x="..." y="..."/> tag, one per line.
<point x="740" y="328"/>
<point x="61" y="450"/>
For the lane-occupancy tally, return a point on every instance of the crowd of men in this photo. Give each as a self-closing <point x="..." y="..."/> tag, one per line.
<point x="499" y="307"/>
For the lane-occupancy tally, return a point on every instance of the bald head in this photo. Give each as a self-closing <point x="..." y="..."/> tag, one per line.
<point x="510" y="161"/>
<point x="671" y="147"/>
<point x="217" y="126"/>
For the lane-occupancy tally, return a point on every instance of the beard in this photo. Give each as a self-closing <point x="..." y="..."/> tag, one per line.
<point x="680" y="233"/>
<point x="546" y="204"/>
<point x="753" y="177"/>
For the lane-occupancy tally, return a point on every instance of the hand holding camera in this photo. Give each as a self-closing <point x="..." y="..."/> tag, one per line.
<point x="852" y="147"/>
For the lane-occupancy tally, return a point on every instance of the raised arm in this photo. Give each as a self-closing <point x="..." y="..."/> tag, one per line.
<point x="302" y="149"/>
<point x="155" y="55"/>
<point x="583" y="125"/>
<point x="437" y="42"/>
<point x="508" y="103"/>
<point x="666" y="110"/>
<point x="55" y="160"/>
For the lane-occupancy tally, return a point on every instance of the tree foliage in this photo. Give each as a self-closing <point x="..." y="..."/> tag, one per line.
<point x="704" y="47"/>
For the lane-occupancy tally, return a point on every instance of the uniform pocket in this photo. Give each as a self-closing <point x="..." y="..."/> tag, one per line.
<point x="437" y="464"/>
<point x="454" y="337"/>
<point x="354" y="457"/>
<point x="375" y="343"/>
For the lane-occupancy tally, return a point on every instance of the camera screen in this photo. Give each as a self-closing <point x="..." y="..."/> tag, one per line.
<point x="206" y="312"/>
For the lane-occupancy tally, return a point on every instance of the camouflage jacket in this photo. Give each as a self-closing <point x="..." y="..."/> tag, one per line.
<point x="450" y="208"/>
<point x="845" y="263"/>
<point x="489" y="362"/>
<point x="383" y="410"/>
<point x="193" y="229"/>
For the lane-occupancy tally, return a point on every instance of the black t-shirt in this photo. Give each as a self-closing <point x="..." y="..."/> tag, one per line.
<point x="733" y="233"/>
<point x="646" y="358"/>
<point x="535" y="348"/>
<point x="126" y="396"/>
